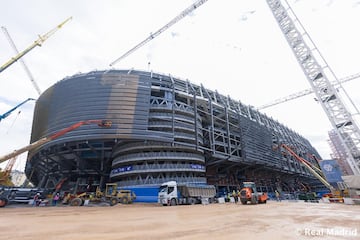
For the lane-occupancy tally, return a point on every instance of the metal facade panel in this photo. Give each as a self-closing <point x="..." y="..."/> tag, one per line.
<point x="163" y="129"/>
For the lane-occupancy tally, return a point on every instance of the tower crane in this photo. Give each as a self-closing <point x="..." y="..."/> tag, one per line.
<point x="305" y="92"/>
<point x="183" y="14"/>
<point x="318" y="73"/>
<point x="38" y="42"/>
<point x="5" y="115"/>
<point x="21" y="60"/>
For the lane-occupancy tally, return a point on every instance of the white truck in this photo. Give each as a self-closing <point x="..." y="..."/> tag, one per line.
<point x="171" y="193"/>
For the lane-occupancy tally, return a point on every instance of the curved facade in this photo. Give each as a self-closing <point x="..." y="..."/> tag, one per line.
<point x="163" y="129"/>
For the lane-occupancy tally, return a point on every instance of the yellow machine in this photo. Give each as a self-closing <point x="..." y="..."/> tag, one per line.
<point x="111" y="195"/>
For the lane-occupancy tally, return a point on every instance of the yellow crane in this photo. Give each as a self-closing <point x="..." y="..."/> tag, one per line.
<point x="38" y="42"/>
<point x="5" y="174"/>
<point x="21" y="60"/>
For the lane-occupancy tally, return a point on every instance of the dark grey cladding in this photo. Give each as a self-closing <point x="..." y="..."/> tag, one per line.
<point x="163" y="129"/>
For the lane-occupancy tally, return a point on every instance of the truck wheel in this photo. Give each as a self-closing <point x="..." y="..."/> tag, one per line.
<point x="243" y="201"/>
<point x="3" y="202"/>
<point x="192" y="201"/>
<point x="254" y="200"/>
<point x="76" y="202"/>
<point x="124" y="200"/>
<point x="173" y="202"/>
<point x="113" y="201"/>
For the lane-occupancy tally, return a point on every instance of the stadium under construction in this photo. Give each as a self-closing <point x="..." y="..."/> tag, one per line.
<point x="163" y="128"/>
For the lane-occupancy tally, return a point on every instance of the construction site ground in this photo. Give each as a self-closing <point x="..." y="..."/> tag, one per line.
<point x="274" y="220"/>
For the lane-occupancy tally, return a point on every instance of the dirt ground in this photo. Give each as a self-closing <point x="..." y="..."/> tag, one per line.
<point x="274" y="220"/>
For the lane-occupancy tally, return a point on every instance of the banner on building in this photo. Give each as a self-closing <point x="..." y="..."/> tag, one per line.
<point x="331" y="170"/>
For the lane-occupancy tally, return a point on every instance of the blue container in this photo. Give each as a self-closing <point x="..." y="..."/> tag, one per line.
<point x="148" y="194"/>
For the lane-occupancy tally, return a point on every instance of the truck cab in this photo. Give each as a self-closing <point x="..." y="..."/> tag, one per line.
<point x="168" y="193"/>
<point x="171" y="193"/>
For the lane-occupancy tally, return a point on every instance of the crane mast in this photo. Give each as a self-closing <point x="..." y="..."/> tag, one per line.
<point x="21" y="60"/>
<point x="183" y="14"/>
<point x="318" y="73"/>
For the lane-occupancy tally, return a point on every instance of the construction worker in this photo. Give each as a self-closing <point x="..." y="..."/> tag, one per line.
<point x="235" y="196"/>
<point x="55" y="199"/>
<point x="36" y="199"/>
<point x="238" y="194"/>
<point x="229" y="196"/>
<point x="277" y="195"/>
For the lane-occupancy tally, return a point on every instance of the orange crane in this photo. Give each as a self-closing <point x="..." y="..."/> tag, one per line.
<point x="335" y="195"/>
<point x="100" y="123"/>
<point x="313" y="169"/>
<point x="14" y="154"/>
<point x="38" y="42"/>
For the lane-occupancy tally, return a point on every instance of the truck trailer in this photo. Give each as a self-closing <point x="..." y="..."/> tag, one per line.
<point x="171" y="193"/>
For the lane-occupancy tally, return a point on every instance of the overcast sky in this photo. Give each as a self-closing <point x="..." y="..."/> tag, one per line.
<point x="232" y="46"/>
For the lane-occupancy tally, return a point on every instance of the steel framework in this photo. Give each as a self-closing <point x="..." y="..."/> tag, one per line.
<point x="319" y="74"/>
<point x="163" y="128"/>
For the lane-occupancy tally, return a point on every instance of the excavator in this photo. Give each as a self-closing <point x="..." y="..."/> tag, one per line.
<point x="40" y="142"/>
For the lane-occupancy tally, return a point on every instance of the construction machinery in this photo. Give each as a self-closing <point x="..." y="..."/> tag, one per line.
<point x="40" y="142"/>
<point x="250" y="194"/>
<point x="5" y="115"/>
<point x="313" y="169"/>
<point x="171" y="193"/>
<point x="38" y="42"/>
<point x="111" y="195"/>
<point x="305" y="92"/>
<point x="183" y="14"/>
<point x="320" y="77"/>
<point x="335" y="195"/>
<point x="316" y="69"/>
<point x="60" y="183"/>
<point x="21" y="60"/>
<point x="4" y="178"/>
<point x="5" y="175"/>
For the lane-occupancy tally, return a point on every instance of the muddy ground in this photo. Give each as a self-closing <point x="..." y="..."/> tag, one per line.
<point x="274" y="220"/>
